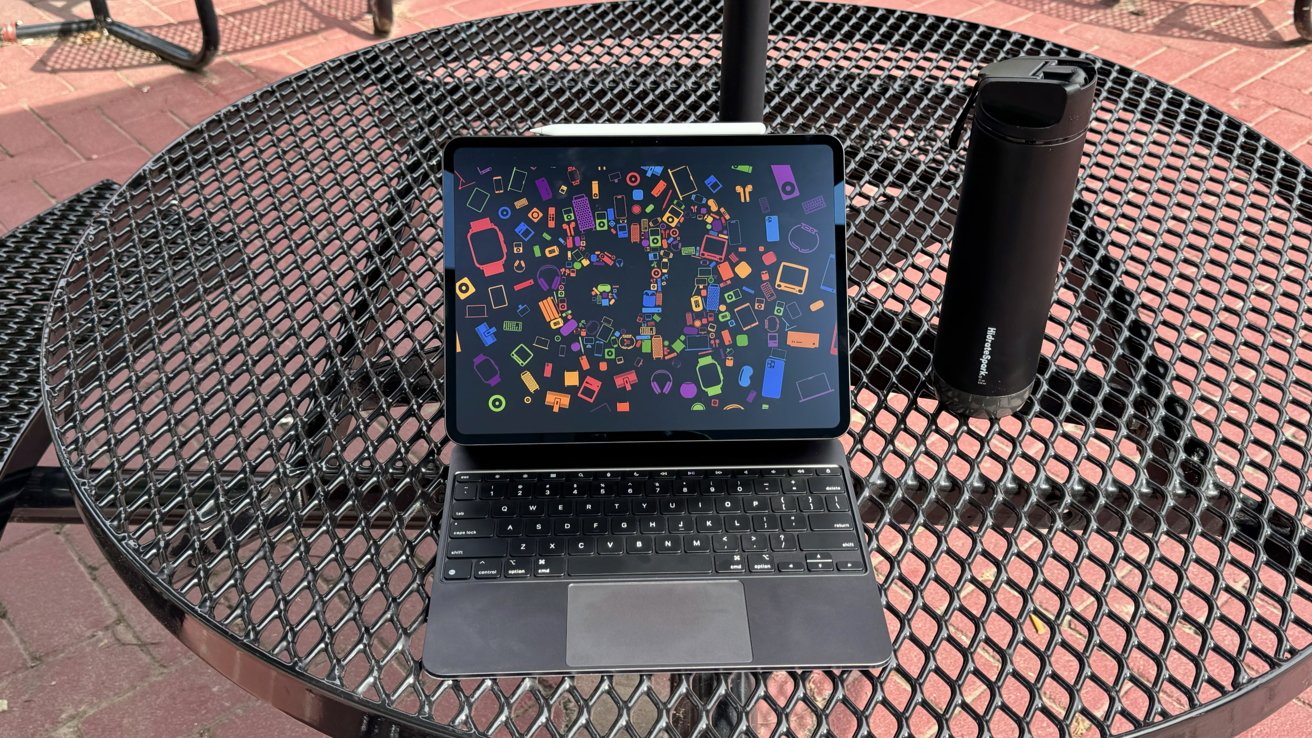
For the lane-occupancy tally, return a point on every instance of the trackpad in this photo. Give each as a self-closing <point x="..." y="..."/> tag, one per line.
<point x="657" y="624"/>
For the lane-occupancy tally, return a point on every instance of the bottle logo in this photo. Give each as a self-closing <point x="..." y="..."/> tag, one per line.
<point x="987" y="355"/>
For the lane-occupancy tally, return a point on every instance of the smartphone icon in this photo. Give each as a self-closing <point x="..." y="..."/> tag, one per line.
<point x="772" y="384"/>
<point x="772" y="228"/>
<point x="827" y="282"/>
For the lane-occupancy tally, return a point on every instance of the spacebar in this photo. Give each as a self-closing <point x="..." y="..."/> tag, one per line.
<point x="638" y="565"/>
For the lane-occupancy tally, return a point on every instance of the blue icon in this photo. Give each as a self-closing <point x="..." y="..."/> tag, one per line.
<point x="713" y="184"/>
<point x="649" y="304"/>
<point x="713" y="297"/>
<point x="637" y="195"/>
<point x="487" y="333"/>
<point x="524" y="231"/>
<point x="772" y="228"/>
<point x="744" y="376"/>
<point x="503" y="212"/>
<point x="653" y="171"/>
<point x="772" y="385"/>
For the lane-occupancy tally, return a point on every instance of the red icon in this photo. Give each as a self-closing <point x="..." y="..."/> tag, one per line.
<point x="487" y="246"/>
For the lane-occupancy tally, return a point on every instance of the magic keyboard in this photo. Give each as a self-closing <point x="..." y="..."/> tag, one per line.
<point x="739" y="522"/>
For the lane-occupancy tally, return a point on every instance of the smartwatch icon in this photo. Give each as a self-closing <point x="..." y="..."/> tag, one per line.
<point x="709" y="375"/>
<point x="487" y="246"/>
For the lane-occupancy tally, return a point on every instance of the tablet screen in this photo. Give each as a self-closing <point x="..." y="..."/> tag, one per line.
<point x="618" y="289"/>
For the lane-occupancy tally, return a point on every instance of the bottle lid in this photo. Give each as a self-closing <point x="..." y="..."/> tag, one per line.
<point x="1034" y="99"/>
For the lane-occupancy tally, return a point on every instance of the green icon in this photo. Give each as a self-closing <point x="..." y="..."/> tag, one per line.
<point x="710" y="376"/>
<point x="740" y="339"/>
<point x="522" y="355"/>
<point x="744" y="168"/>
<point x="496" y="403"/>
<point x="698" y="406"/>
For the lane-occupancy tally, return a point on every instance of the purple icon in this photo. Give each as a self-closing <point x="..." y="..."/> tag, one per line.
<point x="688" y="390"/>
<point x="583" y="213"/>
<point x="783" y="179"/>
<point x="544" y="188"/>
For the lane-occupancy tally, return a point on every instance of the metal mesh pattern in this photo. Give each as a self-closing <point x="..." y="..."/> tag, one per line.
<point x="244" y="375"/>
<point x="33" y="256"/>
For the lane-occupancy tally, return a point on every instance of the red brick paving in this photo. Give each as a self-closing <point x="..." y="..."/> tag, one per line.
<point x="75" y="112"/>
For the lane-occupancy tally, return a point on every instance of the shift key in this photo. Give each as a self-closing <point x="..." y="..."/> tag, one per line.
<point x="828" y="541"/>
<point x="476" y="548"/>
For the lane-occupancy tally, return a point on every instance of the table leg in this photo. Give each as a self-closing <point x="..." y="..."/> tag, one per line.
<point x="728" y="715"/>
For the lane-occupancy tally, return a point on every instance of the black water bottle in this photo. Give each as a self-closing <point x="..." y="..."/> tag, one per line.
<point x="1031" y="117"/>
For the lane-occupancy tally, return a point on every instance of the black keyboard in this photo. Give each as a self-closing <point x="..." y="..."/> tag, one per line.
<point x="732" y="522"/>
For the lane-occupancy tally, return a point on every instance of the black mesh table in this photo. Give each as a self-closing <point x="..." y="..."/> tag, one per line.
<point x="242" y="371"/>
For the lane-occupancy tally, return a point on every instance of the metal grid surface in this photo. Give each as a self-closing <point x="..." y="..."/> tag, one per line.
<point x="31" y="259"/>
<point x="243" y="374"/>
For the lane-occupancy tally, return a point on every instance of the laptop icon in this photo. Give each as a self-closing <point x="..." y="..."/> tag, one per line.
<point x="645" y="386"/>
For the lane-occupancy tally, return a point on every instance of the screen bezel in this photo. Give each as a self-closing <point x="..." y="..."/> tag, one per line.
<point x="449" y="155"/>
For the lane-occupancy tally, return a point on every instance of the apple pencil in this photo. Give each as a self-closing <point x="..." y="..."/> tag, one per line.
<point x="650" y="129"/>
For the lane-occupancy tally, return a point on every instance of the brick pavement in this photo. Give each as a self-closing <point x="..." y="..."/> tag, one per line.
<point x="78" y="655"/>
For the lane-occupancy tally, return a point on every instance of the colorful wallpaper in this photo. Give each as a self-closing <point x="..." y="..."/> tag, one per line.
<point x="672" y="288"/>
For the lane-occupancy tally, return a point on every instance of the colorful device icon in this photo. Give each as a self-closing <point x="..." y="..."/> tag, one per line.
<point x="772" y="381"/>
<point x="792" y="278"/>
<point x="487" y="370"/>
<point x="783" y="179"/>
<point x="772" y="228"/>
<point x="487" y="246"/>
<point x="710" y="376"/>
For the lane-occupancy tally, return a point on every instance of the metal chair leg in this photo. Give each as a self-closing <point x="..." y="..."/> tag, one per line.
<point x="382" y="10"/>
<point x="1303" y="18"/>
<point x="166" y="50"/>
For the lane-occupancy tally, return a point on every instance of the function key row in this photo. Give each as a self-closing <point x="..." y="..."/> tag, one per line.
<point x="642" y="506"/>
<point x="547" y="489"/>
<point x="619" y="474"/>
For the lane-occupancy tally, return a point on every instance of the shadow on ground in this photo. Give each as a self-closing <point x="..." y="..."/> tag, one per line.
<point x="240" y="30"/>
<point x="1230" y="24"/>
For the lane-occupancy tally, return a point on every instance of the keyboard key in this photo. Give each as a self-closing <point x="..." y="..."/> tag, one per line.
<point x="765" y="523"/>
<point x="829" y="541"/>
<point x="828" y="471"/>
<point x="749" y="472"/>
<point x="579" y="475"/>
<point x="575" y="488"/>
<point x="701" y="506"/>
<point x="848" y="562"/>
<point x="728" y="505"/>
<point x="784" y="503"/>
<point x="651" y="524"/>
<point x="465" y="491"/>
<point x="645" y="507"/>
<point x="719" y="473"/>
<point x="567" y="527"/>
<point x="687" y="487"/>
<point x="639" y="545"/>
<point x="504" y="509"/>
<point x="457" y="569"/>
<point x="826" y="485"/>
<point x="741" y="487"/>
<point x="755" y="542"/>
<point x="537" y="527"/>
<point x="549" y="490"/>
<point x="679" y="524"/>
<point x="794" y="486"/>
<point x="715" y="487"/>
<point x="525" y="476"/>
<point x="549" y="566"/>
<point x="731" y="564"/>
<point x="463" y="510"/>
<point x="669" y="544"/>
<point x="516" y="568"/>
<point x="632" y="487"/>
<point x="838" y="503"/>
<point x="737" y="524"/>
<point x="636" y="474"/>
<point x="473" y="528"/>
<point x="631" y="565"/>
<point x="582" y="546"/>
<point x="603" y="489"/>
<point x="615" y="507"/>
<point x="658" y="487"/>
<point x="476" y="548"/>
<point x="783" y="542"/>
<point x="792" y="521"/>
<point x="697" y="543"/>
<point x="811" y="503"/>
<point x="674" y="507"/>
<point x="510" y="528"/>
<point x="623" y="526"/>
<point x="532" y="508"/>
<point x="760" y="563"/>
<point x="610" y="545"/>
<point x="791" y="566"/>
<point x="725" y="542"/>
<point x="523" y="547"/>
<point x="757" y="504"/>
<point x="487" y="569"/>
<point x="520" y="490"/>
<point x="610" y="474"/>
<point x="801" y="471"/>
<point x="595" y="527"/>
<point x="493" y="490"/>
<point x="774" y="471"/>
<point x="819" y="562"/>
<point x="560" y="508"/>
<point x="551" y="547"/>
<point x="587" y="507"/>
<point x="468" y="477"/>
<point x="831" y="521"/>
<point x="768" y="486"/>
<point x="709" y="524"/>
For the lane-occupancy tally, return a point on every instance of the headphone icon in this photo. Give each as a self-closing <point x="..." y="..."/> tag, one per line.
<point x="665" y="387"/>
<point x="549" y="278"/>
